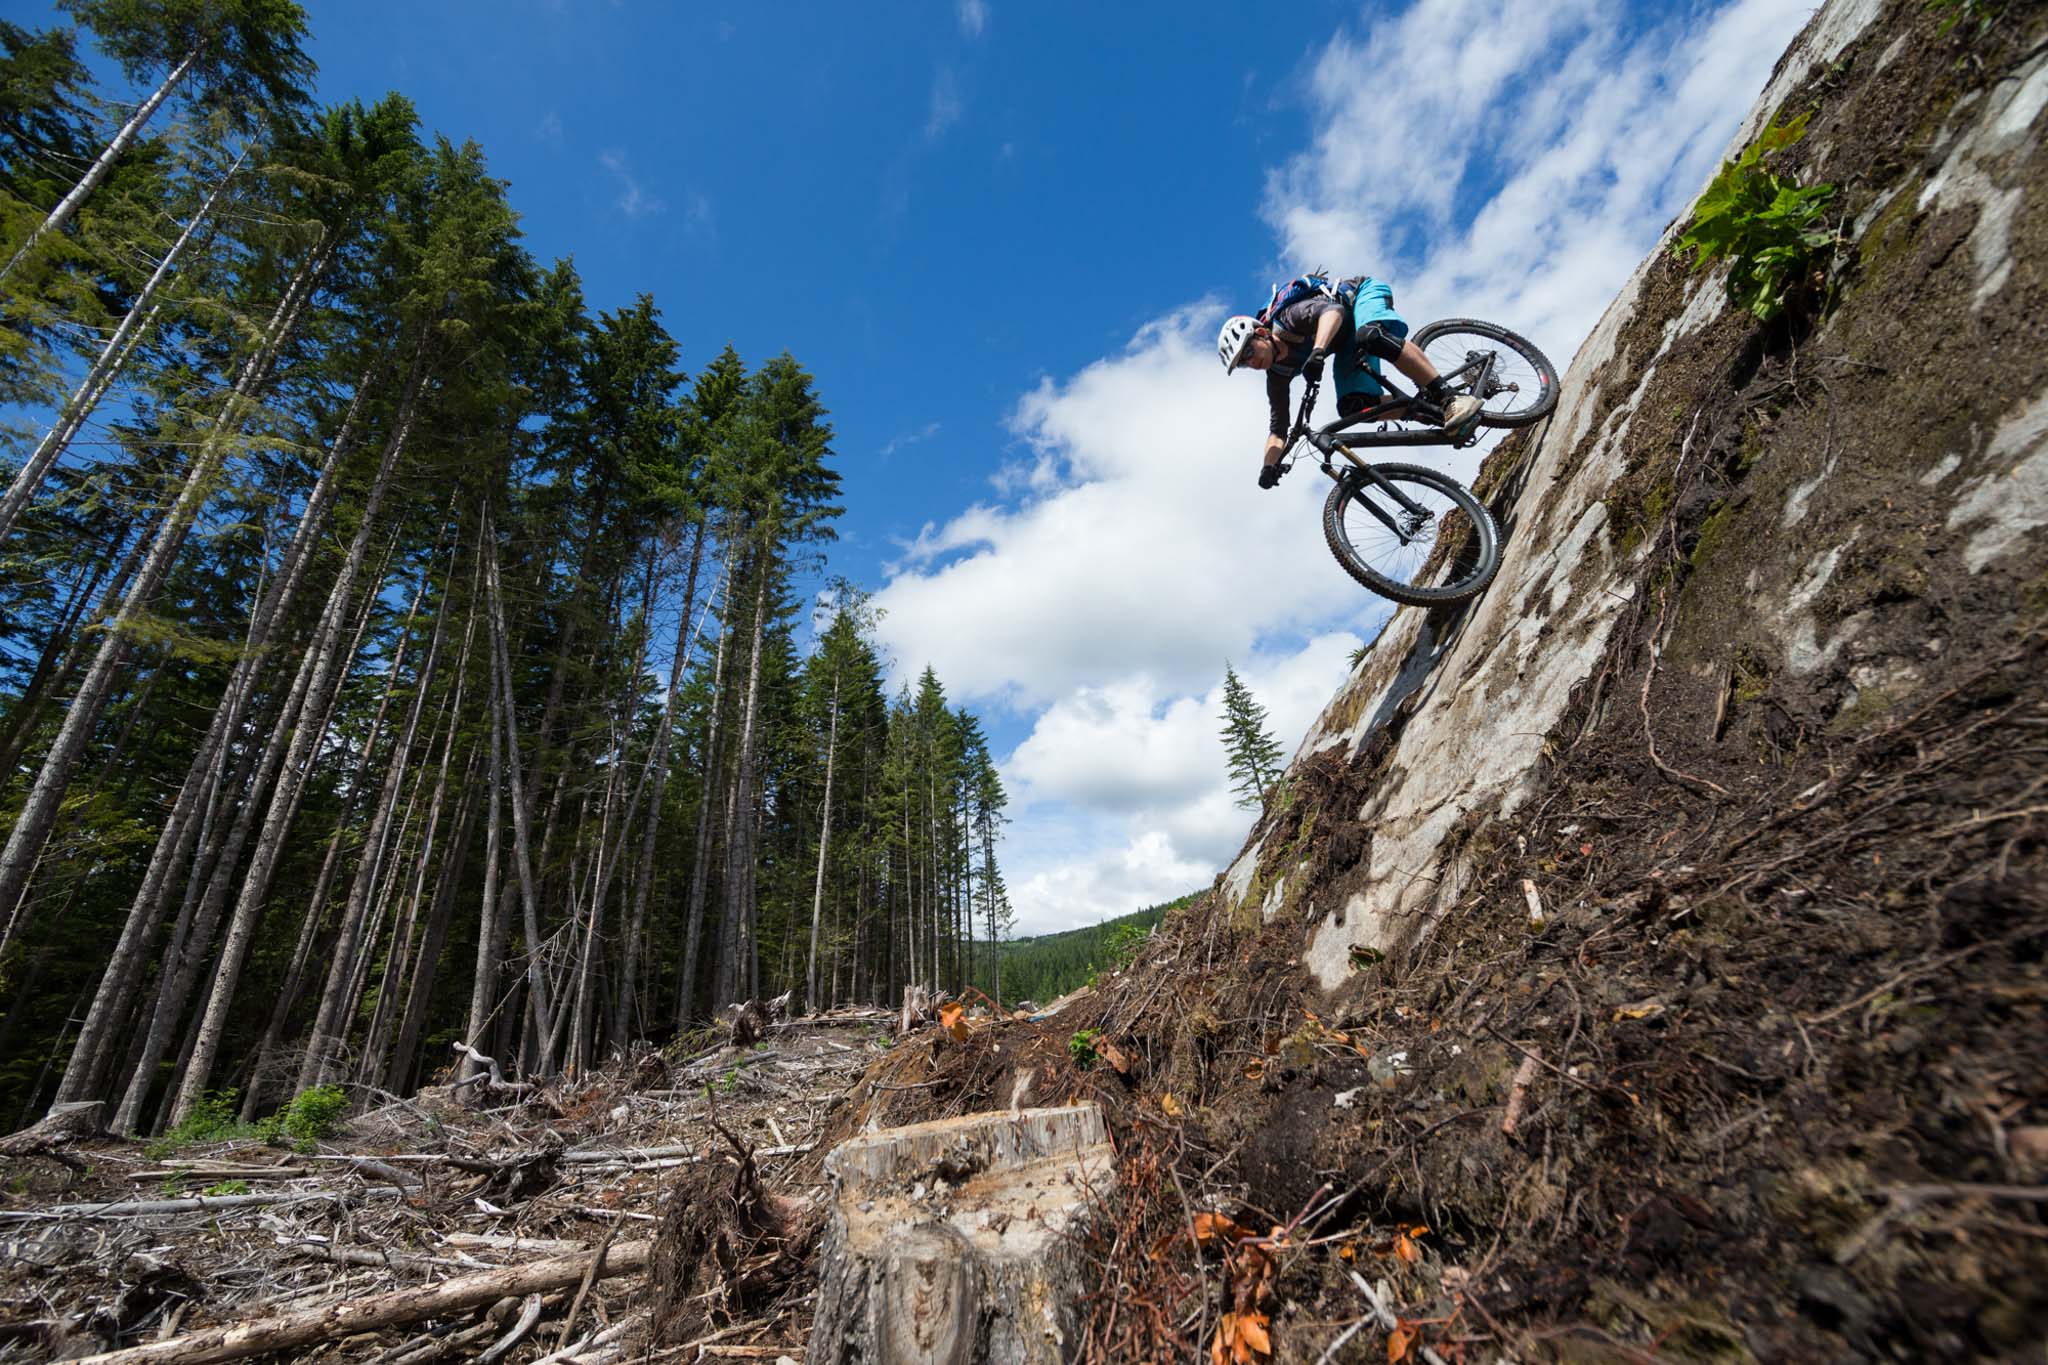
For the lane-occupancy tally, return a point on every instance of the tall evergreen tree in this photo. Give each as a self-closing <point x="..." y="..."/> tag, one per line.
<point x="1254" y="754"/>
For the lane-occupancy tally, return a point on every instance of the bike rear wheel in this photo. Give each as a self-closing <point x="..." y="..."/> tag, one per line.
<point x="1455" y="540"/>
<point x="1524" y="385"/>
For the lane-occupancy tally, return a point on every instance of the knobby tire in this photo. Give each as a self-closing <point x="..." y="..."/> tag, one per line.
<point x="1521" y="348"/>
<point x="1478" y="559"/>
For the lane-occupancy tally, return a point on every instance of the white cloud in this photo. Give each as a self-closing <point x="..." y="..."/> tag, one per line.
<point x="909" y="438"/>
<point x="1150" y="770"/>
<point x="973" y="17"/>
<point x="1143" y="545"/>
<point x="1125" y="553"/>
<point x="550" y="128"/>
<point x="634" y="201"/>
<point x="1597" y="143"/>
<point x="946" y="105"/>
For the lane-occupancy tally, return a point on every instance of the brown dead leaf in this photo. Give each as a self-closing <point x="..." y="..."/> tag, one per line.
<point x="1170" y="1105"/>
<point x="1397" y="1344"/>
<point x="1114" y="1055"/>
<point x="1251" y="1330"/>
<point x="1255" y="1069"/>
<point x="1405" y="1249"/>
<point x="953" y="1019"/>
<point x="1211" y="1227"/>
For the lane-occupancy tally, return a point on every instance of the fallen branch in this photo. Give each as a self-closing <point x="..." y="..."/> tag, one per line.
<point x="290" y="1331"/>
<point x="136" y="1208"/>
<point x="529" y="1314"/>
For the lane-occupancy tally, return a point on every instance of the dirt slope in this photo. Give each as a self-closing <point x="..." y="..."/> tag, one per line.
<point x="1663" y="932"/>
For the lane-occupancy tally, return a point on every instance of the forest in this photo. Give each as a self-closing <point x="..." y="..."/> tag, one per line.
<point x="1044" y="967"/>
<point x="403" y="663"/>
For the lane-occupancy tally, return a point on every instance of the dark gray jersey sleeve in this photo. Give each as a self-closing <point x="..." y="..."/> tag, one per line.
<point x="1276" y="399"/>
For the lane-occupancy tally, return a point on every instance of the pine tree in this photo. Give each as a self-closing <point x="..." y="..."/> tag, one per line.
<point x="1254" y="753"/>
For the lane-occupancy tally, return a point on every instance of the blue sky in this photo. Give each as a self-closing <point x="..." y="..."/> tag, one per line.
<point x="1002" y="235"/>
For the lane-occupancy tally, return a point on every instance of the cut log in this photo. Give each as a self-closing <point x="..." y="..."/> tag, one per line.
<point x="961" y="1240"/>
<point x="290" y="1331"/>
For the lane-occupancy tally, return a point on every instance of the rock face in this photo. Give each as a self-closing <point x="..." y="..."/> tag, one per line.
<point x="958" y="1240"/>
<point x="1894" y="503"/>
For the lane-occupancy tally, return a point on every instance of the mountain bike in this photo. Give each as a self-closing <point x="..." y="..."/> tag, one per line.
<point x="1395" y="526"/>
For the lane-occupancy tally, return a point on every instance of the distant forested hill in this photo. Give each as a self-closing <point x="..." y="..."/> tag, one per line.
<point x="1049" y="966"/>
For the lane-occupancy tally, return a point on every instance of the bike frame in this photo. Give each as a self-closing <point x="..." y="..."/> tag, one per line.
<point x="1328" y="441"/>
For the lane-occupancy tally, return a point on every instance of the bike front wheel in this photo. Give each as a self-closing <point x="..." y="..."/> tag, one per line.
<point x="1396" y="550"/>
<point x="1523" y="387"/>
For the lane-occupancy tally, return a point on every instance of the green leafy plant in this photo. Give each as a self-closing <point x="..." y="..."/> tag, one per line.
<point x="1081" y="1047"/>
<point x="172" y="1185"/>
<point x="1968" y="14"/>
<point x="227" y="1187"/>
<point x="1769" y="229"/>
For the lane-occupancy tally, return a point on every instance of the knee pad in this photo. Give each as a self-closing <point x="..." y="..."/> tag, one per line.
<point x="1377" y="341"/>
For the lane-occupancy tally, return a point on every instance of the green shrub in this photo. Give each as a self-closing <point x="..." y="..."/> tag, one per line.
<point x="311" y="1115"/>
<point x="1769" y="229"/>
<point x="1081" y="1047"/>
<point x="212" y="1120"/>
<point x="227" y="1187"/>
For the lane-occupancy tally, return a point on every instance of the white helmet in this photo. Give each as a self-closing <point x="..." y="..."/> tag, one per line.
<point x="1237" y="334"/>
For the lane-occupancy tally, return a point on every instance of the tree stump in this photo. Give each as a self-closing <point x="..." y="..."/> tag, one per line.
<point x="960" y="1241"/>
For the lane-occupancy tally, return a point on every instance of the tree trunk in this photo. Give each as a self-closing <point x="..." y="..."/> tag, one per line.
<point x="420" y="990"/>
<point x="373" y="1066"/>
<point x="824" y="845"/>
<point x="328" y="1021"/>
<point x="623" y="1000"/>
<point x="491" y="932"/>
<point x="732" y="974"/>
<point x="992" y="1271"/>
<point x="521" y="845"/>
<point x="67" y="208"/>
<point x="700" y="864"/>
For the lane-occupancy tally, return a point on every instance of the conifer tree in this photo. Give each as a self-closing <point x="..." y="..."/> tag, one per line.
<point x="1254" y="753"/>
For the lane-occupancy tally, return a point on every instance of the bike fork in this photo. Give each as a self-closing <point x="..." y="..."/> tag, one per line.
<point x="1408" y="504"/>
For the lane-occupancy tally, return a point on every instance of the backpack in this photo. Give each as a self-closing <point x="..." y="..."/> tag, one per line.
<point x="1344" y="291"/>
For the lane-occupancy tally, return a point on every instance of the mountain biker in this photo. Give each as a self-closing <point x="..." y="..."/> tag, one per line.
<point x="1305" y="333"/>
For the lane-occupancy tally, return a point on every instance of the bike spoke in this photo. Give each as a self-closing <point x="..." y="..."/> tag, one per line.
<point x="1392" y="541"/>
<point x="1517" y="383"/>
